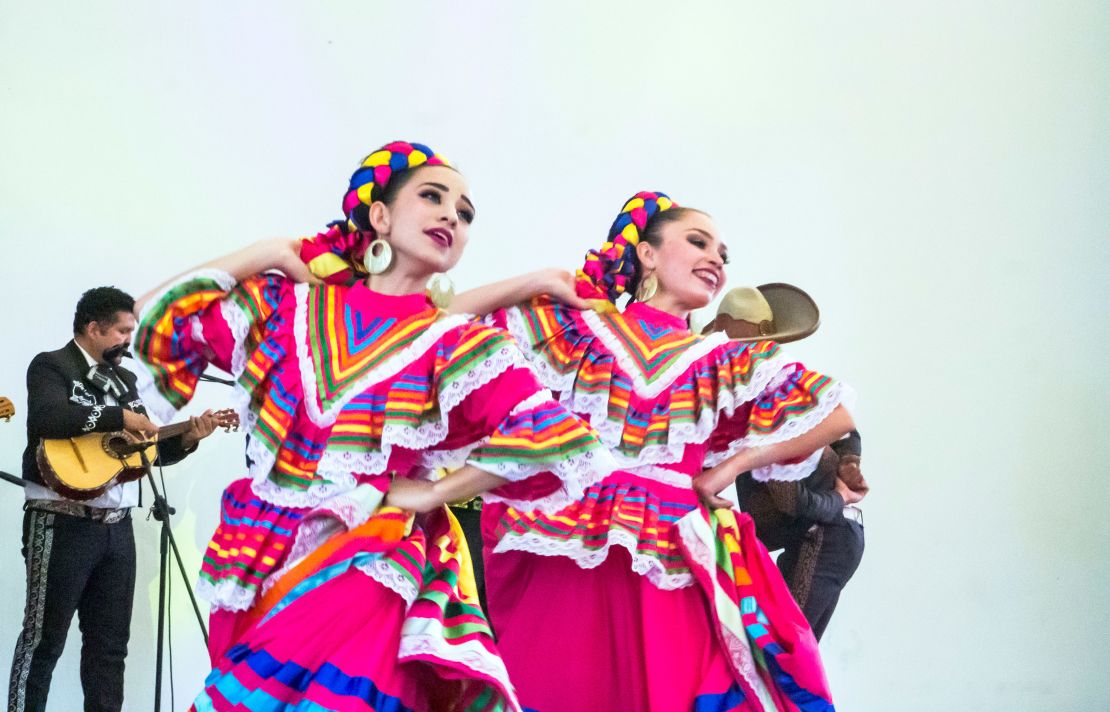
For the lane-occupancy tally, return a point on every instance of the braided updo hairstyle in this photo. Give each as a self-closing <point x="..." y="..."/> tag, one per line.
<point x="615" y="269"/>
<point x="336" y="254"/>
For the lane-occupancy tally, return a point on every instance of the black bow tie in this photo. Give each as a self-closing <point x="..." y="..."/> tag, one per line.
<point x="106" y="380"/>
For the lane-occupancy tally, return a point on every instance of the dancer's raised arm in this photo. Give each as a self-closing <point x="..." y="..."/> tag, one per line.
<point x="278" y="253"/>
<point x="556" y="283"/>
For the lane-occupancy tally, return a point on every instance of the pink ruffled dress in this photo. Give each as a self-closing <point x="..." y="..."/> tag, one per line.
<point x="636" y="597"/>
<point x="323" y="598"/>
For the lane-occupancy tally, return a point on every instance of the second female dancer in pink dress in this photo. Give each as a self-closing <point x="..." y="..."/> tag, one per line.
<point x="338" y="579"/>
<point x="638" y="597"/>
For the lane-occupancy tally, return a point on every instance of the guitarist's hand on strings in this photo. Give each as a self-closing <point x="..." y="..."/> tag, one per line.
<point x="138" y="425"/>
<point x="200" y="427"/>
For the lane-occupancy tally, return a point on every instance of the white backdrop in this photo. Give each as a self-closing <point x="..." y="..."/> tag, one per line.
<point x="935" y="174"/>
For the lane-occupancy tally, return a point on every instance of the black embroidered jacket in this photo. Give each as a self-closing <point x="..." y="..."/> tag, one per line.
<point x="63" y="403"/>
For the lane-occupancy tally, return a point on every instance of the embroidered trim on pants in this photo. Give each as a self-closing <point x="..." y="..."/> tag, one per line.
<point x="39" y="543"/>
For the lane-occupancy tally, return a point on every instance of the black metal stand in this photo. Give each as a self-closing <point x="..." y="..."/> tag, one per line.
<point x="161" y="510"/>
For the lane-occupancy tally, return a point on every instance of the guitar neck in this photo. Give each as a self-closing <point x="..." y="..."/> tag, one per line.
<point x="173" y="430"/>
<point x="224" y="419"/>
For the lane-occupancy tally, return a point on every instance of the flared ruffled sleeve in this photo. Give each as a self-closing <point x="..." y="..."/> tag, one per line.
<point x="503" y="421"/>
<point x="551" y="336"/>
<point x="794" y="401"/>
<point x="652" y="389"/>
<point x="203" y="318"/>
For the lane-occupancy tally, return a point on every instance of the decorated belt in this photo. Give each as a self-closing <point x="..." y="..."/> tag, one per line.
<point x="76" y="509"/>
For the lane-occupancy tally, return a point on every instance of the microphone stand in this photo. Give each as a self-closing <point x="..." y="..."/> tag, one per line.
<point x="161" y="510"/>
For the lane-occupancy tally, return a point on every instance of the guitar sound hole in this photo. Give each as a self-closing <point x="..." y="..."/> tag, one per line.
<point x="116" y="446"/>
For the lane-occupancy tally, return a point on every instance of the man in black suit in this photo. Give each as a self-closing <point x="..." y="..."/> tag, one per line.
<point x="81" y="555"/>
<point x="816" y="522"/>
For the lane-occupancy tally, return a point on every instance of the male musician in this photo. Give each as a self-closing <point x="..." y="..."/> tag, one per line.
<point x="81" y="555"/>
<point x="815" y="520"/>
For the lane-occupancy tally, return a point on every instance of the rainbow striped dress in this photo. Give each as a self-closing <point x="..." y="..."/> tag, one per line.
<point x="635" y="596"/>
<point x="322" y="597"/>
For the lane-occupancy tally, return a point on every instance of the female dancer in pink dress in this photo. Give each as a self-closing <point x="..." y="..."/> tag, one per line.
<point x="338" y="579"/>
<point x="637" y="597"/>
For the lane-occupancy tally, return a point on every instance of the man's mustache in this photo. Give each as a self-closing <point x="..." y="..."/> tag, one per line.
<point x="116" y="353"/>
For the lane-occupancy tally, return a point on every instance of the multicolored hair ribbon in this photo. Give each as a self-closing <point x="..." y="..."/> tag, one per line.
<point x="335" y="255"/>
<point x="609" y="271"/>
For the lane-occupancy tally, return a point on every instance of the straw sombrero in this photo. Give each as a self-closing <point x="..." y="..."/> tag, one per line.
<point x="781" y="312"/>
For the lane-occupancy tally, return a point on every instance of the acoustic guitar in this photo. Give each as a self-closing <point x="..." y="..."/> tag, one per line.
<point x="85" y="467"/>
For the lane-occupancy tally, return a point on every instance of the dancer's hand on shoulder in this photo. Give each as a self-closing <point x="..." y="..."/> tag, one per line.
<point x="284" y="254"/>
<point x="412" y="495"/>
<point x="559" y="285"/>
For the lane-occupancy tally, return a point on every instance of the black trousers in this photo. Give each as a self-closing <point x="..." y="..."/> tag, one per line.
<point x="818" y="566"/>
<point x="74" y="565"/>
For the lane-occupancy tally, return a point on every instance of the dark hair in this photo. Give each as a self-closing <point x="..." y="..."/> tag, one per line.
<point x="102" y="305"/>
<point x="399" y="180"/>
<point x="653" y="235"/>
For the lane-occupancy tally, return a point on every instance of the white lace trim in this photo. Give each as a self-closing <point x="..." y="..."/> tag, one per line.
<point x="679" y="434"/>
<point x="311" y="533"/>
<point x="196" y="330"/>
<point x="780" y="378"/>
<point x="335" y="516"/>
<point x="239" y="324"/>
<point x="788" y="472"/>
<point x="697" y="350"/>
<point x="791" y="429"/>
<point x="226" y="595"/>
<point x="643" y="564"/>
<point x="768" y="374"/>
<point x="697" y="537"/>
<point x="663" y="475"/>
<point x="533" y="401"/>
<point x="339" y="466"/>
<point x="507" y="357"/>
<point x="450" y="459"/>
<point x="457" y="458"/>
<point x="397" y="581"/>
<point x="575" y="473"/>
<point x="425" y="637"/>
<point x="547" y="374"/>
<point x="152" y="398"/>
<point x="390" y="367"/>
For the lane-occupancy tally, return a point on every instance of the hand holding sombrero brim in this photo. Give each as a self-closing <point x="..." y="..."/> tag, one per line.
<point x="772" y="312"/>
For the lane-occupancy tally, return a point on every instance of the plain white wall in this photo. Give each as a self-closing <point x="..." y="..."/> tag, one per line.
<point x="935" y="174"/>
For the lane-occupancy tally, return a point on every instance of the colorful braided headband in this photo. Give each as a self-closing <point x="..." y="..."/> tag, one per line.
<point x="336" y="254"/>
<point x="608" y="272"/>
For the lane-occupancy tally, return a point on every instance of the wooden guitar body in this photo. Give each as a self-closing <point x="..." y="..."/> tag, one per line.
<point x="84" y="467"/>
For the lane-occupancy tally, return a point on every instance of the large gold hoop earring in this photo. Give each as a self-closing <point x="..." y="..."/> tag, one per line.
<point x="378" y="257"/>
<point x="647" y="288"/>
<point x="441" y="290"/>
